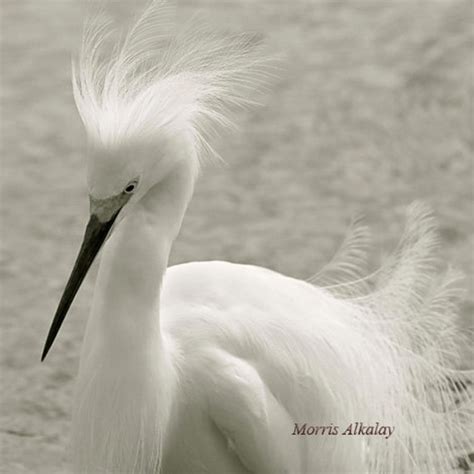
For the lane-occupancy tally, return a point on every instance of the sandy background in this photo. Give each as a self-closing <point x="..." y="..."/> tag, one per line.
<point x="373" y="109"/>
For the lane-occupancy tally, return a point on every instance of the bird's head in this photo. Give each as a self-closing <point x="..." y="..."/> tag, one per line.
<point x="119" y="177"/>
<point x="150" y="105"/>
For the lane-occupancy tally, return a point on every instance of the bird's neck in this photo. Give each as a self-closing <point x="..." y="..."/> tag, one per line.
<point x="127" y="377"/>
<point x="125" y="316"/>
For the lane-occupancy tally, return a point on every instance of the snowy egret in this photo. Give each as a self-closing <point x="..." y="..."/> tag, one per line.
<point x="225" y="368"/>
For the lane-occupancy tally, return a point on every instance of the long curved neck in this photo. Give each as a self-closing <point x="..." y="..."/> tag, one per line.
<point x="124" y="320"/>
<point x="127" y="378"/>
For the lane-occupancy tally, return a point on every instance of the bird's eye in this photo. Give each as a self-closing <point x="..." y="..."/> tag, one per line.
<point x="130" y="188"/>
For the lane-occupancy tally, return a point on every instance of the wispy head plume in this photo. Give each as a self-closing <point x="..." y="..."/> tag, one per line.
<point x="161" y="76"/>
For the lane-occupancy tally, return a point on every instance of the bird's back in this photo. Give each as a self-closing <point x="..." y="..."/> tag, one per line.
<point x="260" y="355"/>
<point x="248" y="370"/>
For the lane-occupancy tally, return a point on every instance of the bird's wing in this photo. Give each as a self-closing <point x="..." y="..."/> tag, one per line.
<point x="260" y="429"/>
<point x="250" y="417"/>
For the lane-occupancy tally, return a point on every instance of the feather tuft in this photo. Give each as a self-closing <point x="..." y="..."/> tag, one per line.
<point x="345" y="273"/>
<point x="160" y="76"/>
<point x="406" y="360"/>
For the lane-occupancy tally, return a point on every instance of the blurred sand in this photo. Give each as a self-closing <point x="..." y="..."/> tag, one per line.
<point x="372" y="111"/>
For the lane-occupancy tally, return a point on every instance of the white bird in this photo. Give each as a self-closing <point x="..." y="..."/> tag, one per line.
<point x="223" y="368"/>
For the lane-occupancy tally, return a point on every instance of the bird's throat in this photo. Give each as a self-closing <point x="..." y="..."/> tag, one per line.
<point x="127" y="293"/>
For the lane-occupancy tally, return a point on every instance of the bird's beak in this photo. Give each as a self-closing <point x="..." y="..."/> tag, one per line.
<point x="103" y="215"/>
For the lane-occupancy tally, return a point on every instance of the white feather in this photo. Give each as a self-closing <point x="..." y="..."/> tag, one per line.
<point x="163" y="78"/>
<point x="346" y="272"/>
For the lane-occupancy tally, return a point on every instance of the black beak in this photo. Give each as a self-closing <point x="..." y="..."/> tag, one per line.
<point x="94" y="237"/>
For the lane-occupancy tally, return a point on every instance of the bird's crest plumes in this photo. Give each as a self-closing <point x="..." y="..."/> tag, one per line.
<point x="160" y="77"/>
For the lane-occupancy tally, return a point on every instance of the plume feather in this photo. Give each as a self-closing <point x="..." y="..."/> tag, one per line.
<point x="411" y="345"/>
<point x="158" y="76"/>
<point x="346" y="272"/>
